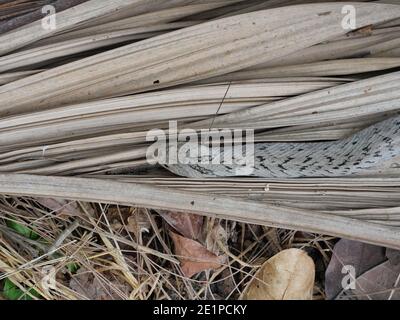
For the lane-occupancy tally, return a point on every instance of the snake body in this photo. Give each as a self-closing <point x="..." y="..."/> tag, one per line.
<point x="355" y="155"/>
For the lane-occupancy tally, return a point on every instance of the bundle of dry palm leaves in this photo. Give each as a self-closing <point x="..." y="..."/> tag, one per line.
<point x="77" y="102"/>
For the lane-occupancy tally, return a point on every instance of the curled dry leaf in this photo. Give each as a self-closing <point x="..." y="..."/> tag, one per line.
<point x="289" y="275"/>
<point x="189" y="225"/>
<point x="193" y="256"/>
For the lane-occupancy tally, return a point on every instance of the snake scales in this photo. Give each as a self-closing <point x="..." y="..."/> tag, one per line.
<point x="355" y="155"/>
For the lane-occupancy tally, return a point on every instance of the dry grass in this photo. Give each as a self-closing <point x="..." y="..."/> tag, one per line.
<point x="115" y="263"/>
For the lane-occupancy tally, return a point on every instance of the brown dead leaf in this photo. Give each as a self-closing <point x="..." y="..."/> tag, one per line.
<point x="189" y="225"/>
<point x="360" y="256"/>
<point x="61" y="206"/>
<point x="88" y="285"/>
<point x="138" y="222"/>
<point x="393" y="256"/>
<point x="376" y="272"/>
<point x="118" y="212"/>
<point x="216" y="237"/>
<point x="193" y="256"/>
<point x="380" y="283"/>
<point x="289" y="275"/>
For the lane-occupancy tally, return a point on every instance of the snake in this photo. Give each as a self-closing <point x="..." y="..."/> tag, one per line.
<point x="353" y="155"/>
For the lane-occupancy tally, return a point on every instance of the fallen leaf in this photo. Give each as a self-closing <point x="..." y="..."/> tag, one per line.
<point x="138" y="222"/>
<point x="189" y="225"/>
<point x="393" y="256"/>
<point x="227" y="284"/>
<point x="193" y="256"/>
<point x="88" y="285"/>
<point x="379" y="283"/>
<point x="61" y="206"/>
<point x="350" y="253"/>
<point x="216" y="237"/>
<point x="289" y="275"/>
<point x="374" y="275"/>
<point x="118" y="216"/>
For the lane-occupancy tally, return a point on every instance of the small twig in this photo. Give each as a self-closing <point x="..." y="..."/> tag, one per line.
<point x="233" y="257"/>
<point x="64" y="235"/>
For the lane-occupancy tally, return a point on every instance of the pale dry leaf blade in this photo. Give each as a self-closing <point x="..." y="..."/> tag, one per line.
<point x="232" y="43"/>
<point x="150" y="196"/>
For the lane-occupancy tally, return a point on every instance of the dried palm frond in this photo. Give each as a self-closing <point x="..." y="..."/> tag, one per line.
<point x="80" y="101"/>
<point x="231" y="44"/>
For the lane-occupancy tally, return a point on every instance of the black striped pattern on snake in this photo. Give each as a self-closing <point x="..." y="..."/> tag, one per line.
<point x="355" y="155"/>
